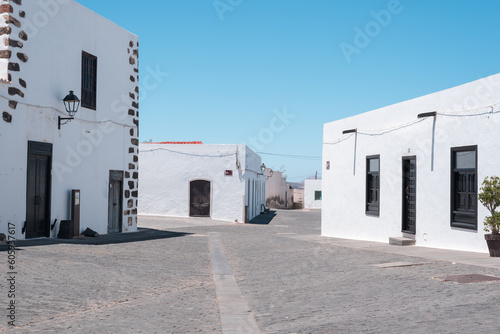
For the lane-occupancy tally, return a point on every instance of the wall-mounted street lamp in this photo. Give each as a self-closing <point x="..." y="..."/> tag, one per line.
<point x="427" y="114"/>
<point x="270" y="174"/>
<point x="71" y="104"/>
<point x="262" y="169"/>
<point x="349" y="131"/>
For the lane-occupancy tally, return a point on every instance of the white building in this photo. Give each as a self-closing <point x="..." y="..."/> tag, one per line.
<point x="312" y="194"/>
<point x="224" y="182"/>
<point x="401" y="171"/>
<point x="279" y="195"/>
<point x="46" y="51"/>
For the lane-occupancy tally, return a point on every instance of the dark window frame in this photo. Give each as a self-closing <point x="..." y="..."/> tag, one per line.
<point x="404" y="208"/>
<point x="455" y="214"/>
<point x="316" y="195"/>
<point x="372" y="208"/>
<point x="89" y="77"/>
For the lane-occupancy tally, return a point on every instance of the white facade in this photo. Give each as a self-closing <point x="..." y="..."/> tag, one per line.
<point x="467" y="116"/>
<point x="312" y="194"/>
<point x="235" y="188"/>
<point x="279" y="195"/>
<point x="41" y="60"/>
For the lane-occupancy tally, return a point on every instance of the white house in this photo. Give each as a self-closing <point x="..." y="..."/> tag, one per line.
<point x="279" y="195"/>
<point x="312" y="194"/>
<point x="48" y="49"/>
<point x="414" y="169"/>
<point x="223" y="182"/>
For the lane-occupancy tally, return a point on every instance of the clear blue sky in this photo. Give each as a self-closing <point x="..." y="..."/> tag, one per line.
<point x="228" y="78"/>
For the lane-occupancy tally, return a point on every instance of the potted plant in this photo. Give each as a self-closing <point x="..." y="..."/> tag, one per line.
<point x="489" y="196"/>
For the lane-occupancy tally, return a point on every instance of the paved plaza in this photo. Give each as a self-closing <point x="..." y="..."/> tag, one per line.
<point x="276" y="275"/>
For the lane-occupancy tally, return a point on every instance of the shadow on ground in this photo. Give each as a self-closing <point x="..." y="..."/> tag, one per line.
<point x="143" y="234"/>
<point x="263" y="218"/>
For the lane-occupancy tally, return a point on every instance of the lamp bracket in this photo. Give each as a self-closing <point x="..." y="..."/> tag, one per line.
<point x="66" y="119"/>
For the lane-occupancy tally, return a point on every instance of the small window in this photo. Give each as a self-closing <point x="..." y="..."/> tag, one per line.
<point x="317" y="195"/>
<point x="89" y="80"/>
<point x="373" y="185"/>
<point x="464" y="187"/>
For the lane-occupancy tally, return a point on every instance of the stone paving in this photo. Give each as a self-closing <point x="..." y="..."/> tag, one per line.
<point x="162" y="282"/>
<point x="294" y="286"/>
<point x="151" y="286"/>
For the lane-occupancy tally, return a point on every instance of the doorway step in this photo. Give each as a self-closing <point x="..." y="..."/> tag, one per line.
<point x="401" y="241"/>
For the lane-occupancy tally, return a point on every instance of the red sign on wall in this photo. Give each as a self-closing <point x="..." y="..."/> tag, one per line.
<point x="328" y="165"/>
<point x="228" y="173"/>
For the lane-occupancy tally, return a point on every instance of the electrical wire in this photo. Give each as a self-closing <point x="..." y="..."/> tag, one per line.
<point x="465" y="113"/>
<point x="222" y="155"/>
<point x="304" y="176"/>
<point x="291" y="156"/>
<point x="462" y="114"/>
<point x="339" y="140"/>
<point x="75" y="119"/>
<point x="384" y="131"/>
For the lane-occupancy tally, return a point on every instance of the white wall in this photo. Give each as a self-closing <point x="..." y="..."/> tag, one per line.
<point x="465" y="118"/>
<point x="252" y="170"/>
<point x="97" y="140"/>
<point x="167" y="170"/>
<point x="310" y="187"/>
<point x="278" y="192"/>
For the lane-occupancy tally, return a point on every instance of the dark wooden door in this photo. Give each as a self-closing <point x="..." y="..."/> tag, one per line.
<point x="409" y="194"/>
<point x="38" y="190"/>
<point x="199" y="198"/>
<point x="115" y="201"/>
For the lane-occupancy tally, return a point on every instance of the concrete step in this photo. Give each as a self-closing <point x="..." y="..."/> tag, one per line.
<point x="401" y="241"/>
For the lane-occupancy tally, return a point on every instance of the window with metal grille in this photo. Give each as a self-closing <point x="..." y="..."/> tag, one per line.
<point x="464" y="187"/>
<point x="317" y="195"/>
<point x="373" y="185"/>
<point x="89" y="80"/>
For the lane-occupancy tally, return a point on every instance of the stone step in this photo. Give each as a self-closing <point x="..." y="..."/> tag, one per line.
<point x="401" y="241"/>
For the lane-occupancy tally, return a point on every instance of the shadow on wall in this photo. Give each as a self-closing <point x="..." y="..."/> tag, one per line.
<point x="263" y="218"/>
<point x="275" y="202"/>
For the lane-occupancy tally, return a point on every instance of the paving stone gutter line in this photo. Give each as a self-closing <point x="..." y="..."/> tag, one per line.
<point x="235" y="314"/>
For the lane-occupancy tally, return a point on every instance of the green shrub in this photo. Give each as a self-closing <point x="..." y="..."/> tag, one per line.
<point x="489" y="196"/>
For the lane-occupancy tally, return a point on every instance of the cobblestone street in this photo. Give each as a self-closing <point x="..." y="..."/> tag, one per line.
<point x="161" y="280"/>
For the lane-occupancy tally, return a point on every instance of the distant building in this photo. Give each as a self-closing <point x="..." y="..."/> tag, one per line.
<point x="190" y="179"/>
<point x="414" y="169"/>
<point x="44" y="157"/>
<point x="279" y="195"/>
<point x="297" y="195"/>
<point x="312" y="194"/>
